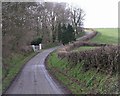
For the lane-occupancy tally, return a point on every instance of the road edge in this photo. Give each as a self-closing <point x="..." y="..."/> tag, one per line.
<point x="3" y="93"/>
<point x="58" y="82"/>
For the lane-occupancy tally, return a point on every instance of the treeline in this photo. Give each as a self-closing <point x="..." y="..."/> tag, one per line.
<point x="23" y="22"/>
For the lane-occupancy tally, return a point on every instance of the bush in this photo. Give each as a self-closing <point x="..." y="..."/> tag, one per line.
<point x="36" y="41"/>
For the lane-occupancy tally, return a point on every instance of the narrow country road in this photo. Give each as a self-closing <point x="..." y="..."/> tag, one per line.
<point x="34" y="78"/>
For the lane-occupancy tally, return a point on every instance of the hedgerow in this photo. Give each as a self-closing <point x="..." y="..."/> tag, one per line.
<point x="104" y="59"/>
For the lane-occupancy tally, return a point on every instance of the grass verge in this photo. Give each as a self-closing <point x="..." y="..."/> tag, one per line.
<point x="78" y="81"/>
<point x="16" y="64"/>
<point x="83" y="48"/>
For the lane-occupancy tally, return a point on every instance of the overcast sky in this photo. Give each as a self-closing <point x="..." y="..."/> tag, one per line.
<point x="99" y="13"/>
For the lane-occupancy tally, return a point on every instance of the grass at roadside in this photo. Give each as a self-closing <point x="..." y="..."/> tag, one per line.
<point x="15" y="66"/>
<point x="80" y="82"/>
<point x="106" y="35"/>
<point x="83" y="48"/>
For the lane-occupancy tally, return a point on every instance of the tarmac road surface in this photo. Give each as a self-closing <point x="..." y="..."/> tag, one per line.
<point x="34" y="78"/>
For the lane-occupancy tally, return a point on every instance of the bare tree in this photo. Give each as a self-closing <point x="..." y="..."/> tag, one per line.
<point x="77" y="16"/>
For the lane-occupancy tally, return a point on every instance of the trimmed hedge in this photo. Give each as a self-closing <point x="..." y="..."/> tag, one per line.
<point x="77" y="44"/>
<point x="105" y="59"/>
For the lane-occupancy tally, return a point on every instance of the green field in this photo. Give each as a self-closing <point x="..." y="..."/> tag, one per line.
<point x="106" y="35"/>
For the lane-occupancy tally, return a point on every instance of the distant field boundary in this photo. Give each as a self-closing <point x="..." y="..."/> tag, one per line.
<point x="83" y="41"/>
